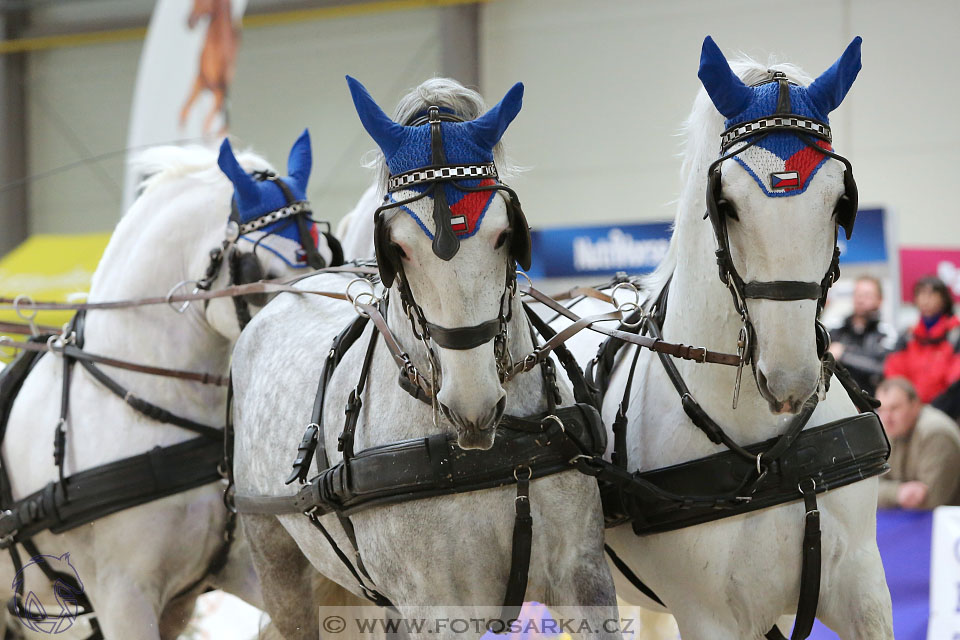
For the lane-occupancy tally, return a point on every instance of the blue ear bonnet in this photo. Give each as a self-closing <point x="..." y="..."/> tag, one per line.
<point x="458" y="144"/>
<point x="254" y="196"/>
<point x="406" y="148"/>
<point x="780" y="153"/>
<point x="764" y="103"/>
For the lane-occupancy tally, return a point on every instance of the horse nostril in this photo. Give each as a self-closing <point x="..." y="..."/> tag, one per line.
<point x="498" y="411"/>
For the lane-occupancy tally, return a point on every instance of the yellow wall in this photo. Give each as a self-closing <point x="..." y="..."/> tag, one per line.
<point x="49" y="268"/>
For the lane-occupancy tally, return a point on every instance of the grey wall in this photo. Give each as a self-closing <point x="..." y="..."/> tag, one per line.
<point x="608" y="84"/>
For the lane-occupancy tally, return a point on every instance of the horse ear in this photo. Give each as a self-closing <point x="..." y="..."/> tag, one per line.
<point x="828" y="91"/>
<point x="488" y="128"/>
<point x="385" y="132"/>
<point x="248" y="194"/>
<point x="300" y="160"/>
<point x="728" y="93"/>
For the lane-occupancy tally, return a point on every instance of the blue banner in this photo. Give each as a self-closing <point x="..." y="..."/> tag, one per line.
<point x="904" y="539"/>
<point x="869" y="242"/>
<point x="601" y="250"/>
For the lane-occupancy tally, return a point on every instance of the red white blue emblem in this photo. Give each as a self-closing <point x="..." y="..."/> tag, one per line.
<point x="788" y="162"/>
<point x="785" y="180"/>
<point x="466" y="208"/>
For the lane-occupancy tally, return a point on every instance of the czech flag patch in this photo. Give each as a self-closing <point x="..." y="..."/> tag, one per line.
<point x="785" y="180"/>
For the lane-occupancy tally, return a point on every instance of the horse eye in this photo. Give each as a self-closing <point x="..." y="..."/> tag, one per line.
<point x="502" y="238"/>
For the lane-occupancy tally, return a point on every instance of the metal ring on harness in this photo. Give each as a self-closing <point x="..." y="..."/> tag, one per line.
<point x="21" y="299"/>
<point x="56" y="344"/>
<point x="364" y="297"/>
<point x="812" y="489"/>
<point x="5" y="341"/>
<point x="523" y="466"/>
<point x="175" y="288"/>
<point x="529" y="281"/>
<point x="630" y="287"/>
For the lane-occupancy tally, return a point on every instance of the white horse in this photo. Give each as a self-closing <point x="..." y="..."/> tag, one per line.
<point x="452" y="549"/>
<point x="142" y="568"/>
<point x="734" y="578"/>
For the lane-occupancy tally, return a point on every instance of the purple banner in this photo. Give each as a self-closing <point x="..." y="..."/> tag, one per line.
<point x="904" y="539"/>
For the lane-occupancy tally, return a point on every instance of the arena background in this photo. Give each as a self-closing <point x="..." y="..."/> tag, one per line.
<point x="608" y="84"/>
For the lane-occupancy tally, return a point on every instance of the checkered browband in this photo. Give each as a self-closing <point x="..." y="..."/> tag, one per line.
<point x="290" y="210"/>
<point x="439" y="174"/>
<point x="738" y="132"/>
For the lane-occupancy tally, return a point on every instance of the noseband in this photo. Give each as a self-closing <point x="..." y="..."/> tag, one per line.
<point x="719" y="209"/>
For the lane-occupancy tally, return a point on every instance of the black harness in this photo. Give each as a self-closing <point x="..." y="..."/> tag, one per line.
<point x="795" y="465"/>
<point x="523" y="449"/>
<point x="75" y="500"/>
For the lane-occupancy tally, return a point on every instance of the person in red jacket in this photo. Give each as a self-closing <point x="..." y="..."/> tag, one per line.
<point x="928" y="354"/>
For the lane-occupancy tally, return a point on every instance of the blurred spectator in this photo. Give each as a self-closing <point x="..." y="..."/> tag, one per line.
<point x="862" y="342"/>
<point x="927" y="354"/>
<point x="924" y="450"/>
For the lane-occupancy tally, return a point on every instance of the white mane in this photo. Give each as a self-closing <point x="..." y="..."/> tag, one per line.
<point x="165" y="163"/>
<point x="701" y="133"/>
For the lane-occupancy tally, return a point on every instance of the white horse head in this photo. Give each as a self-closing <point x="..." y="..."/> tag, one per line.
<point x="781" y="195"/>
<point x="249" y="245"/>
<point x="458" y="272"/>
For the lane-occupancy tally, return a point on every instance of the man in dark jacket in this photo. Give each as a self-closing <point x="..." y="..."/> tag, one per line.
<point x="862" y="342"/>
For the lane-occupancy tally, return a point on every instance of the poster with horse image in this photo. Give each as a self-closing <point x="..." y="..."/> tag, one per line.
<point x="182" y="90"/>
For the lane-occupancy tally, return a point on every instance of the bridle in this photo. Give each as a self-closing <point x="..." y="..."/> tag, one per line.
<point x="446" y="244"/>
<point x="719" y="210"/>
<point x="245" y="267"/>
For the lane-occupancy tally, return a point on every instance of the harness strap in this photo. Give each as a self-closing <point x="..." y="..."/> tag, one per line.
<point x="76" y="353"/>
<point x="522" y="545"/>
<point x="148" y="409"/>
<point x="313" y="436"/>
<point x="581" y="392"/>
<point x="263" y="286"/>
<point x="369" y="593"/>
<point x="699" y="354"/>
<point x="620" y="456"/>
<point x="355" y="401"/>
<point x="16" y="606"/>
<point x="633" y="578"/>
<point x="115" y="486"/>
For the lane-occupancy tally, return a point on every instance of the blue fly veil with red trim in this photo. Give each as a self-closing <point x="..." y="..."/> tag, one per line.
<point x="782" y="162"/>
<point x="409" y="148"/>
<point x="286" y="197"/>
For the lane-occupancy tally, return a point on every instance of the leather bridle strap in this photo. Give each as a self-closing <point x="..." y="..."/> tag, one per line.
<point x="407" y="368"/>
<point x="463" y="338"/>
<point x="263" y="286"/>
<point x="75" y="353"/>
<point x="783" y="290"/>
<point x="698" y="354"/>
